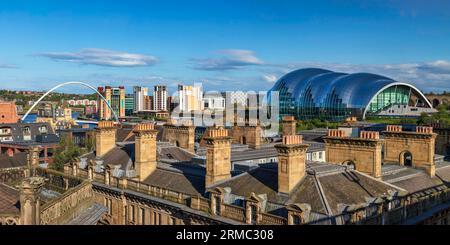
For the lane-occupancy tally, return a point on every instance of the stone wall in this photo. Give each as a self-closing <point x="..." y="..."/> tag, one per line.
<point x="363" y="153"/>
<point x="181" y="136"/>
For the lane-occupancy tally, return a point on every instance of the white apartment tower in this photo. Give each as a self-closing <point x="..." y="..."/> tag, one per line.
<point x="139" y="95"/>
<point x="160" y="98"/>
<point x="190" y="97"/>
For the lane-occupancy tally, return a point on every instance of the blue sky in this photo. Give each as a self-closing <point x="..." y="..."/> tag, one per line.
<point x="226" y="45"/>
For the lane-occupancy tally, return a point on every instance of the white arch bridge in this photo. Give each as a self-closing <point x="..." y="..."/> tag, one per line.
<point x="71" y="83"/>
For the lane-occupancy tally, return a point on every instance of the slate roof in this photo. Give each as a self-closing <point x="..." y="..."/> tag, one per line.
<point x="177" y="181"/>
<point x="122" y="155"/>
<point x="351" y="187"/>
<point x="324" y="187"/>
<point x="9" y="200"/>
<point x="18" y="160"/>
<point x="18" y="137"/>
<point x="239" y="153"/>
<point x="415" y="180"/>
<point x="125" y="134"/>
<point x="174" y="153"/>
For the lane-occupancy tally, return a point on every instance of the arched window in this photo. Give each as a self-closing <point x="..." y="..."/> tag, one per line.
<point x="406" y="158"/>
<point x="350" y="164"/>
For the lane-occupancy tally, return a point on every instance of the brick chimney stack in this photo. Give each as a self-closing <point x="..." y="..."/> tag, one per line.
<point x="105" y="137"/>
<point x="145" y="150"/>
<point x="289" y="125"/>
<point x="291" y="162"/>
<point x="218" y="156"/>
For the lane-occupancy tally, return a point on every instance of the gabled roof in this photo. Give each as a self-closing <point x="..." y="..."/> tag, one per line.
<point x="326" y="189"/>
<point x="18" y="160"/>
<point x="9" y="200"/>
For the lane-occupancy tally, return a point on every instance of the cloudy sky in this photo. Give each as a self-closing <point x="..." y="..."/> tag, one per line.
<point x="224" y="44"/>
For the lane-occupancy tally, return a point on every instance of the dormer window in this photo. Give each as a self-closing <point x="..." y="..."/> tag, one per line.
<point x="43" y="130"/>
<point x="26" y="133"/>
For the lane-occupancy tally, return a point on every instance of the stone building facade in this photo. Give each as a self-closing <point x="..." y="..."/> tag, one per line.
<point x="180" y="135"/>
<point x="362" y="153"/>
<point x="102" y="189"/>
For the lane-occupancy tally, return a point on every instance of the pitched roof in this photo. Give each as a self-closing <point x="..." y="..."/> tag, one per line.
<point x="122" y="155"/>
<point x="177" y="181"/>
<point x="9" y="199"/>
<point x="18" y="136"/>
<point x="18" y="160"/>
<point x="351" y="187"/>
<point x="174" y="153"/>
<point x="329" y="185"/>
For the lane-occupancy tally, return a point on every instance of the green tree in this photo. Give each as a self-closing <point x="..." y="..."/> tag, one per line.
<point x="65" y="153"/>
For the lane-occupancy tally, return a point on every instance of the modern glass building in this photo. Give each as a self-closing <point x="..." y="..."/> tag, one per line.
<point x="317" y="93"/>
<point x="129" y="104"/>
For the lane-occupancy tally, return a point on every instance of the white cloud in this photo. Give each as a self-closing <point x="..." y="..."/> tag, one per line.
<point x="7" y="66"/>
<point x="103" y="57"/>
<point x="230" y="59"/>
<point x="270" y="78"/>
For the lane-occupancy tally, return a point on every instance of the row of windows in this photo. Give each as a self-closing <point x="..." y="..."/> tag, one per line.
<point x="141" y="216"/>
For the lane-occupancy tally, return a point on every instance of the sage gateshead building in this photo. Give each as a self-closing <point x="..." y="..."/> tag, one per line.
<point x="317" y="93"/>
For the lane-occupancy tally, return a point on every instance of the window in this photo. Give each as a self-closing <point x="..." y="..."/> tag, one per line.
<point x="133" y="219"/>
<point x="26" y="130"/>
<point x="108" y="205"/>
<point x="142" y="216"/>
<point x="253" y="214"/>
<point x="172" y="221"/>
<point x="155" y="218"/>
<point x="26" y="133"/>
<point x="218" y="203"/>
<point x="320" y="155"/>
<point x="43" y="129"/>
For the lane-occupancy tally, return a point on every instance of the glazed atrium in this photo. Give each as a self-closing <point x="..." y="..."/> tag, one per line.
<point x="317" y="93"/>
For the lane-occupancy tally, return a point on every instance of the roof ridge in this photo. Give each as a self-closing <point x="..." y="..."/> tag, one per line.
<point x="322" y="195"/>
<point x="381" y="181"/>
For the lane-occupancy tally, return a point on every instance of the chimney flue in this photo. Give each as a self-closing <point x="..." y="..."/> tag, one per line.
<point x="218" y="156"/>
<point x="145" y="150"/>
<point x="105" y="137"/>
<point x="291" y="162"/>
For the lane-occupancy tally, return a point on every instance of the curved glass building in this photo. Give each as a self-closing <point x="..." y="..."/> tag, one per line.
<point x="317" y="93"/>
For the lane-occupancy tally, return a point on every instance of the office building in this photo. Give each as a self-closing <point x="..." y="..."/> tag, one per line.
<point x="116" y="98"/>
<point x="139" y="97"/>
<point x="190" y="98"/>
<point x="129" y="104"/>
<point x="160" y="98"/>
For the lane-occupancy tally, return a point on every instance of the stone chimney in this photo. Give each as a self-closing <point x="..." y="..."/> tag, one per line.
<point x="289" y="126"/>
<point x="33" y="156"/>
<point x="145" y="150"/>
<point x="291" y="162"/>
<point x="30" y="201"/>
<point x="363" y="153"/>
<point x="424" y="130"/>
<point x="336" y="133"/>
<point x="105" y="137"/>
<point x="394" y="128"/>
<point x="218" y="156"/>
<point x="180" y="133"/>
